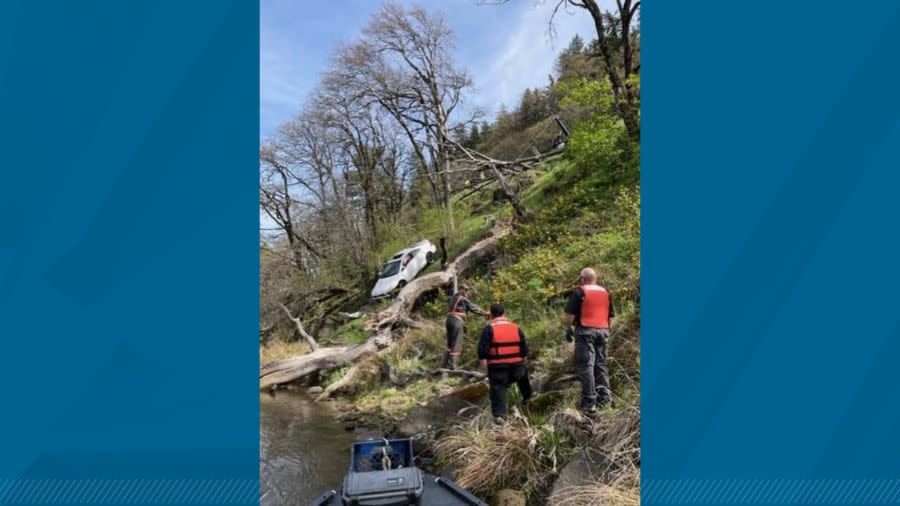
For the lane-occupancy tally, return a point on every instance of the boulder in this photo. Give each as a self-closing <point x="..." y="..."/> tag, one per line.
<point x="508" y="497"/>
<point x="435" y="413"/>
<point x="316" y="390"/>
<point x="587" y="467"/>
<point x="472" y="392"/>
<point x="455" y="406"/>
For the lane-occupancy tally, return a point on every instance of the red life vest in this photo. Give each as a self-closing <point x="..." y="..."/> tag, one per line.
<point x="595" y="308"/>
<point x="506" y="346"/>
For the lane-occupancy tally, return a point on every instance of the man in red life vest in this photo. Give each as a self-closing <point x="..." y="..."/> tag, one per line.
<point x="590" y="309"/>
<point x="502" y="351"/>
<point x="459" y="307"/>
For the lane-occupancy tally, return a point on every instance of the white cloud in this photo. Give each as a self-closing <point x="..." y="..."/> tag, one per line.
<point x="529" y="55"/>
<point x="281" y="86"/>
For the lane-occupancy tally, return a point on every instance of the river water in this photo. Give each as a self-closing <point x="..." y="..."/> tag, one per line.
<point x="303" y="450"/>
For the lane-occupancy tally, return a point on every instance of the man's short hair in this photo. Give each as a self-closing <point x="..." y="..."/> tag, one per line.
<point x="497" y="310"/>
<point x="588" y="274"/>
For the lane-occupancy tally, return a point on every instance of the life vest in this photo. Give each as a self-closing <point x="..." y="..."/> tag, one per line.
<point x="595" y="308"/>
<point x="506" y="346"/>
<point x="453" y="311"/>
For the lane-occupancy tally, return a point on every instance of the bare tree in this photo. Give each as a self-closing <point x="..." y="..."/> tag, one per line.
<point x="370" y="148"/>
<point x="276" y="200"/>
<point x="316" y="156"/>
<point x="404" y="64"/>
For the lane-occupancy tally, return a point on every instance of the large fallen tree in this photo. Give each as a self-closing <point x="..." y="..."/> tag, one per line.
<point x="387" y="325"/>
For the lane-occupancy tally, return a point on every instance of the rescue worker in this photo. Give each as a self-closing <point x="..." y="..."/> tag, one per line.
<point x="501" y="352"/>
<point x="590" y="310"/>
<point x="459" y="307"/>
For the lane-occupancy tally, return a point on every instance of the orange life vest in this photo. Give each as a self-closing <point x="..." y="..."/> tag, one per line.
<point x="595" y="308"/>
<point x="506" y="346"/>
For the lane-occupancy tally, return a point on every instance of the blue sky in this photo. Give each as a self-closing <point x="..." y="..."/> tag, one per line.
<point x="505" y="48"/>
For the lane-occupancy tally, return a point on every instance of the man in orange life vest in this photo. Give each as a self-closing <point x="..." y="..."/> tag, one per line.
<point x="501" y="351"/>
<point x="590" y="309"/>
<point x="460" y="306"/>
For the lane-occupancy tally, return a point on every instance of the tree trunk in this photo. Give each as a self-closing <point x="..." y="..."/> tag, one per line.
<point x="521" y="212"/>
<point x="443" y="243"/>
<point x="622" y="95"/>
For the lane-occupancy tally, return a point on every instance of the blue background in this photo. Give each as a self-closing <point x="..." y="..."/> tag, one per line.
<point x="770" y="245"/>
<point x="129" y="245"/>
<point x="128" y="253"/>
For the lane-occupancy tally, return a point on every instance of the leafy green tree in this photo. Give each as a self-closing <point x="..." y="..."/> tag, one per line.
<point x="474" y="137"/>
<point x="576" y="46"/>
<point x="600" y="142"/>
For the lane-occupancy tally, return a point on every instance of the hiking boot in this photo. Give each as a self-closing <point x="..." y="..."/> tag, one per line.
<point x="590" y="410"/>
<point x="499" y="420"/>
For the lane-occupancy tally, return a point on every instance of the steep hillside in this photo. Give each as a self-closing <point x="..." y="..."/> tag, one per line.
<point x="581" y="218"/>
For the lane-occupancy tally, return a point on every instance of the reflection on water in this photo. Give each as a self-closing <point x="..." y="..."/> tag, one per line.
<point x="303" y="451"/>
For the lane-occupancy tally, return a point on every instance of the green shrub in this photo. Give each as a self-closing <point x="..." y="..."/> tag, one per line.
<point x="351" y="332"/>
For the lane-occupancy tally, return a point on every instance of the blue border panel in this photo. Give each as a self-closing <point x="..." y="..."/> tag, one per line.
<point x="770" y="246"/>
<point x="129" y="250"/>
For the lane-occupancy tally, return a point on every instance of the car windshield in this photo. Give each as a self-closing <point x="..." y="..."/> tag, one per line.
<point x="390" y="269"/>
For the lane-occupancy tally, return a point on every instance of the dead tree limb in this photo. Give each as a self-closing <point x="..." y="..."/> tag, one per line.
<point x="479" y="162"/>
<point x="313" y="345"/>
<point x="511" y="196"/>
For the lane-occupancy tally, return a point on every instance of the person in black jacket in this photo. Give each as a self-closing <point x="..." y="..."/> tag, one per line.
<point x="590" y="310"/>
<point x="501" y="351"/>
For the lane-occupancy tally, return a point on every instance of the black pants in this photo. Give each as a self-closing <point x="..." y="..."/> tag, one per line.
<point x="456" y="329"/>
<point x="591" y="347"/>
<point x="501" y="376"/>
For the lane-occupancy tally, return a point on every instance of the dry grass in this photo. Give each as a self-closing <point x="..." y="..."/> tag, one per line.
<point x="577" y="427"/>
<point x="513" y="455"/>
<point x="619" y="435"/>
<point x="625" y="353"/>
<point x="419" y="348"/>
<point x="277" y="350"/>
<point x="624" y="490"/>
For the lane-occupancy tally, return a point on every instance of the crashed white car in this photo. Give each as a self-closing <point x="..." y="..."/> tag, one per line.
<point x="403" y="267"/>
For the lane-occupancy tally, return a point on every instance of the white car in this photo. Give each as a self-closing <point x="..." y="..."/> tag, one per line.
<point x="403" y="267"/>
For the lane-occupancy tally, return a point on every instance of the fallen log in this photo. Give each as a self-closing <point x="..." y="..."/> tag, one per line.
<point x="387" y="325"/>
<point x="408" y="296"/>
<point x="347" y="379"/>
<point x="289" y="369"/>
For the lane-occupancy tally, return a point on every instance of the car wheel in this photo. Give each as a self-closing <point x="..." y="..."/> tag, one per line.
<point x="429" y="257"/>
<point x="400" y="285"/>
